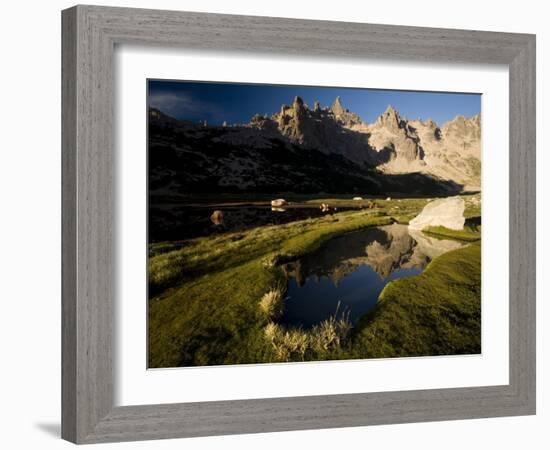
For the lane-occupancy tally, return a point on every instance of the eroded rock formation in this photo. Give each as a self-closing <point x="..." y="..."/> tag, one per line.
<point x="392" y="143"/>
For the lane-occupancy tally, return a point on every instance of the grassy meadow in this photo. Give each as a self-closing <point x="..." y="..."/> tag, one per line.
<point x="216" y="300"/>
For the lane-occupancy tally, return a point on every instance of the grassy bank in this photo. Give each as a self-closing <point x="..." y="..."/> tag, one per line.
<point x="470" y="233"/>
<point x="435" y="313"/>
<point x="466" y="234"/>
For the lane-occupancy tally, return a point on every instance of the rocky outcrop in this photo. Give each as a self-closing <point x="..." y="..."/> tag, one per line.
<point x="397" y="142"/>
<point x="392" y="143"/>
<point x="446" y="212"/>
<point x="343" y="115"/>
<point x="453" y="151"/>
<point x="328" y="130"/>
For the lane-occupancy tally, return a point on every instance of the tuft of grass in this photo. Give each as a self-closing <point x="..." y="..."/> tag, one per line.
<point x="272" y="302"/>
<point x="319" y="343"/>
<point x="330" y="334"/>
<point x="288" y="345"/>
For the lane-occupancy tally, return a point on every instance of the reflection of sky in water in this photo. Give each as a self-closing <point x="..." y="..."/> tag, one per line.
<point x="318" y="298"/>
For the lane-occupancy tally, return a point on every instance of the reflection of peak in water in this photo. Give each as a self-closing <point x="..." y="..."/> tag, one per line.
<point x="385" y="249"/>
<point x="397" y="251"/>
<point x="432" y="246"/>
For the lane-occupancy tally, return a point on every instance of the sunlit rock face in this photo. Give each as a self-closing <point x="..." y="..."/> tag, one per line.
<point x="327" y="130"/>
<point x="446" y="212"/>
<point x="393" y="143"/>
<point x="396" y="142"/>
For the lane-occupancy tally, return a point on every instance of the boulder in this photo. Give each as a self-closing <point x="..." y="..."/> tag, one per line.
<point x="445" y="212"/>
<point x="217" y="217"/>
<point x="278" y="202"/>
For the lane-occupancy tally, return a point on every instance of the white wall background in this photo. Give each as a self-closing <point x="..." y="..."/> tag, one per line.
<point x="30" y="223"/>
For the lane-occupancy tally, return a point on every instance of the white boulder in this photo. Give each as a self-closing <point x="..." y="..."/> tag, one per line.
<point x="278" y="202"/>
<point x="445" y="212"/>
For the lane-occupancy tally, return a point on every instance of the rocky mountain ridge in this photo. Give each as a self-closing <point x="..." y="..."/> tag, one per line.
<point x="392" y="144"/>
<point x="322" y="149"/>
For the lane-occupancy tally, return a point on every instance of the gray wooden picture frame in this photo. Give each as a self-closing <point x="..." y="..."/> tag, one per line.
<point x="90" y="34"/>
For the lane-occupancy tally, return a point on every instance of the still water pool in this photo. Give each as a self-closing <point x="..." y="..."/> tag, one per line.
<point x="347" y="274"/>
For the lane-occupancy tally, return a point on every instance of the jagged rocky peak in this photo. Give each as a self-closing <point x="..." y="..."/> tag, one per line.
<point x="459" y="120"/>
<point x="397" y="138"/>
<point x="317" y="106"/>
<point x="343" y="115"/>
<point x="390" y="119"/>
<point x="430" y="124"/>
<point x="434" y="132"/>
<point x="463" y="127"/>
<point x="298" y="103"/>
<point x="337" y="108"/>
<point x="426" y="130"/>
<point x="262" y="122"/>
<point x="462" y="121"/>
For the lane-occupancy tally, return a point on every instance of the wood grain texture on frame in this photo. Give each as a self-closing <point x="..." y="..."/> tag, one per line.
<point x="90" y="34"/>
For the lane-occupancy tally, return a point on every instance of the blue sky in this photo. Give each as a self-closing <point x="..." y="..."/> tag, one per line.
<point x="237" y="103"/>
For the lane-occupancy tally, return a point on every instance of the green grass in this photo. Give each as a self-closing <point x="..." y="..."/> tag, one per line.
<point x="435" y="313"/>
<point x="205" y="309"/>
<point x="205" y="295"/>
<point x="470" y="233"/>
<point x="465" y="234"/>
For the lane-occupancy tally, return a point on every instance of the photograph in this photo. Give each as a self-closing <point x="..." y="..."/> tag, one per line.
<point x="268" y="225"/>
<point x="288" y="224"/>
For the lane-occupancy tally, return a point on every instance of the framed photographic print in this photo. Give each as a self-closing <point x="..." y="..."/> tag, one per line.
<point x="265" y="230"/>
